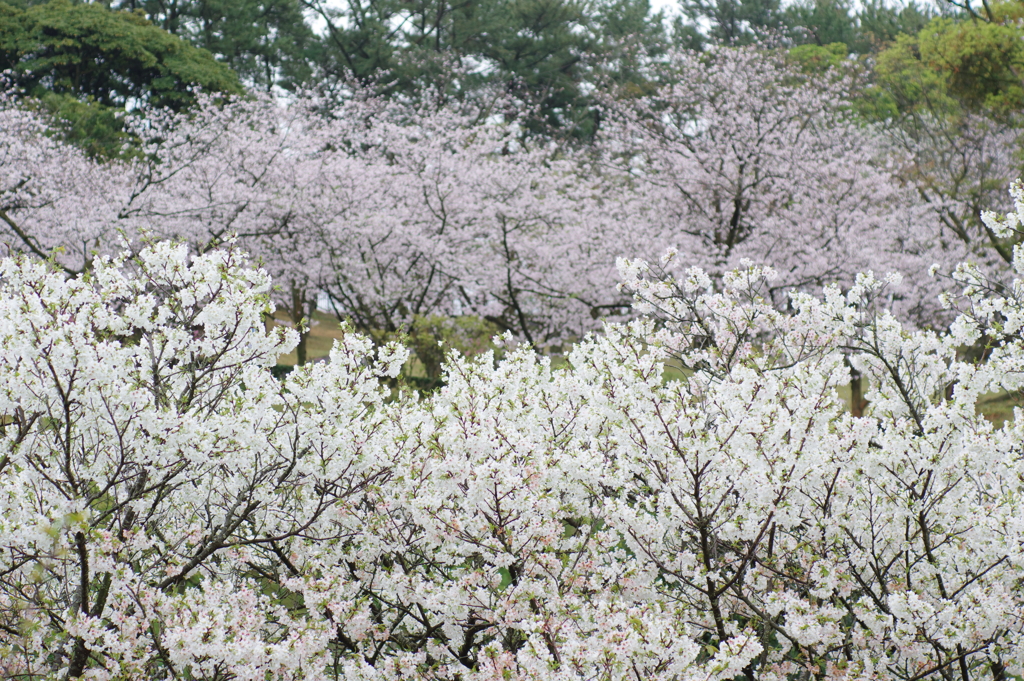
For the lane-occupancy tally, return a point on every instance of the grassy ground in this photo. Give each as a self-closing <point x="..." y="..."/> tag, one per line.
<point x="325" y="330"/>
<point x="997" y="408"/>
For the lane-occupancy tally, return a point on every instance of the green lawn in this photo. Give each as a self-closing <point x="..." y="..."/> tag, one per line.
<point x="324" y="332"/>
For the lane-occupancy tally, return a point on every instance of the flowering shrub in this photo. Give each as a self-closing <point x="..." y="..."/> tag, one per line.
<point x="170" y="510"/>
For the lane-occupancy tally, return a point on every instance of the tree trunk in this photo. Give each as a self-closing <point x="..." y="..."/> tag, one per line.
<point x="302" y="325"/>
<point x="857" y="402"/>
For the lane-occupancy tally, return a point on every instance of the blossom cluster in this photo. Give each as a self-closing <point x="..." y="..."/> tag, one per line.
<point x="172" y="510"/>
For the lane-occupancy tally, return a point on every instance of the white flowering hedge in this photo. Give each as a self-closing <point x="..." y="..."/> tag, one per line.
<point x="171" y="510"/>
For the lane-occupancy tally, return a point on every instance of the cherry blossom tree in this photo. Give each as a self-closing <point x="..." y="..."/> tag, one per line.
<point x="396" y="211"/>
<point x="494" y="223"/>
<point x="52" y="196"/>
<point x="241" y="169"/>
<point x="215" y="171"/>
<point x="402" y="211"/>
<point x="962" y="167"/>
<point x="902" y="580"/>
<point x="741" y="156"/>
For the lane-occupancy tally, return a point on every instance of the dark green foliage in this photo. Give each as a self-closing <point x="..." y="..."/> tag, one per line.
<point x="949" y="67"/>
<point x="539" y="50"/>
<point x="862" y="27"/>
<point x="823" y="22"/>
<point x="881" y="23"/>
<point x="736" y="22"/>
<point x="549" y="54"/>
<point x="358" y="41"/>
<point x="96" y="129"/>
<point x="107" y="57"/>
<point x="266" y="42"/>
<point x="629" y="33"/>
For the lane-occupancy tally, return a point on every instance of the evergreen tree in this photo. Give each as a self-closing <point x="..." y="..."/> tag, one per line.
<point x="823" y="22"/>
<point x="881" y="23"/>
<point x="735" y="22"/>
<point x="83" y="64"/>
<point x="542" y="51"/>
<point x="266" y="42"/>
<point x="110" y="57"/>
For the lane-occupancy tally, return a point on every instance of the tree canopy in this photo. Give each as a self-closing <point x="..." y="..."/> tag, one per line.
<point x="113" y="58"/>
